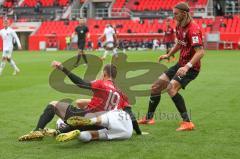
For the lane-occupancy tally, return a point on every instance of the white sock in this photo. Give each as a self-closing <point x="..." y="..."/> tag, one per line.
<point x="115" y="51"/>
<point x="93" y="120"/>
<point x="12" y="63"/>
<point x="102" y="134"/>
<point x="105" y="54"/>
<point x="2" y="65"/>
<point x="85" y="136"/>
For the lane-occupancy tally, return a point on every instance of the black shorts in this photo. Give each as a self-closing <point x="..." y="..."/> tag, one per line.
<point x="74" y="111"/>
<point x="191" y="75"/>
<point x="81" y="44"/>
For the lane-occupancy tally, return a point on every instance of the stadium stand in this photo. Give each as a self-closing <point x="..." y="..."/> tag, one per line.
<point x="44" y="3"/>
<point x="8" y="4"/>
<point x="153" y="5"/>
<point x="119" y="4"/>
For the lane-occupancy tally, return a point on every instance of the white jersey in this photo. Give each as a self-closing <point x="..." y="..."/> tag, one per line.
<point x="155" y="42"/>
<point x="8" y="35"/>
<point x="109" y="33"/>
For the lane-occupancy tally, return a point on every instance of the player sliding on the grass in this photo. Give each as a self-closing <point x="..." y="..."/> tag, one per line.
<point x="106" y="97"/>
<point x="117" y="125"/>
<point x="191" y="51"/>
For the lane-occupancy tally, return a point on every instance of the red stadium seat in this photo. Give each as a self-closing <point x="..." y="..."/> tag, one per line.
<point x="45" y="3"/>
<point x="141" y="5"/>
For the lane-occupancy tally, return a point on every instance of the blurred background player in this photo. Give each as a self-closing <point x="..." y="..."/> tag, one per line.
<point x="110" y="41"/>
<point x="81" y="30"/>
<point x="180" y="75"/>
<point x="155" y="44"/>
<point x="8" y="35"/>
<point x="169" y="38"/>
<point x="68" y="42"/>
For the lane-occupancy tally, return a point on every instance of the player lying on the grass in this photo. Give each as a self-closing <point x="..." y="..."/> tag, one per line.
<point x="177" y="77"/>
<point x="117" y="126"/>
<point x="110" y="41"/>
<point x="106" y="96"/>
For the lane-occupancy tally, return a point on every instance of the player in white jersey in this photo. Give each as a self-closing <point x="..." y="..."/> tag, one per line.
<point x="110" y="41"/>
<point x="155" y="44"/>
<point x="117" y="123"/>
<point x="8" y="35"/>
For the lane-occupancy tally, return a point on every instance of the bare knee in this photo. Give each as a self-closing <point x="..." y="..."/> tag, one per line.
<point x="79" y="103"/>
<point x="82" y="103"/>
<point x="54" y="103"/>
<point x="155" y="89"/>
<point x="173" y="88"/>
<point x="171" y="92"/>
<point x="159" y="86"/>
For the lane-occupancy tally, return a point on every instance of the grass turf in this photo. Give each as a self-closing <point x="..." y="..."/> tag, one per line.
<point x="213" y="99"/>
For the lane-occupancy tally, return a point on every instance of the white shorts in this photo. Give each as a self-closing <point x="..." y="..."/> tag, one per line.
<point x="7" y="53"/>
<point x="109" y="44"/>
<point x="120" y="125"/>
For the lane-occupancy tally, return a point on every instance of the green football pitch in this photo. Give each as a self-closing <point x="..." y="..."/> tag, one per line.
<point x="213" y="100"/>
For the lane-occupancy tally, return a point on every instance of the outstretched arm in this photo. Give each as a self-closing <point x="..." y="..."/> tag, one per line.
<point x="75" y="79"/>
<point x="171" y="52"/>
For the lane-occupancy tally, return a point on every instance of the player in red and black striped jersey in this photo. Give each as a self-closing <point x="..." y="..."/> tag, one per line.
<point x="190" y="44"/>
<point x="106" y="97"/>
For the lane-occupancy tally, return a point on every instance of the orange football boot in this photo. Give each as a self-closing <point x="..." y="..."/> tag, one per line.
<point x="146" y="121"/>
<point x="185" y="126"/>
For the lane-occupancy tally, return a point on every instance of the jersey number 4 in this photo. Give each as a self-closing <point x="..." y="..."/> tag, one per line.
<point x="112" y="101"/>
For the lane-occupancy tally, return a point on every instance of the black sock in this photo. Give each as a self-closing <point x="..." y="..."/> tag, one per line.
<point x="66" y="129"/>
<point x="78" y="58"/>
<point x="153" y="103"/>
<point x="134" y="120"/>
<point x="46" y="117"/>
<point x="85" y="58"/>
<point x="180" y="104"/>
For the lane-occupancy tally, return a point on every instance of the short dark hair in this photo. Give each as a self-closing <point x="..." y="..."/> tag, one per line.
<point x="111" y="70"/>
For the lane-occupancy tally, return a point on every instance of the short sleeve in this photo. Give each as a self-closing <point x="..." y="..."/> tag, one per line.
<point x="195" y="37"/>
<point x="97" y="84"/>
